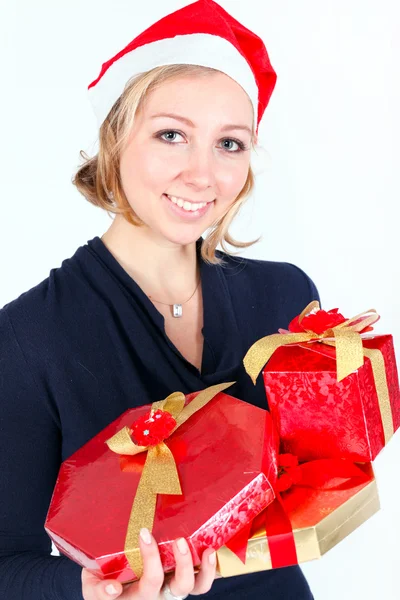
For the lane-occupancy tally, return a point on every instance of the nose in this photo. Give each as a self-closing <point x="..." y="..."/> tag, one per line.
<point x="200" y="168"/>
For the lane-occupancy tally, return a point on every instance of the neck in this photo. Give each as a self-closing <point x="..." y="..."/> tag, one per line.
<point x="164" y="270"/>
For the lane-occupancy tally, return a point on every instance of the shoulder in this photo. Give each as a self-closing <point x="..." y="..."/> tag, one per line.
<point x="266" y="275"/>
<point x="41" y="313"/>
<point x="25" y="310"/>
<point x="267" y="294"/>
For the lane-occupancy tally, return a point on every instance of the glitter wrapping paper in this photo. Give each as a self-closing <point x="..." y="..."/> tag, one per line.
<point x="320" y="520"/>
<point x="319" y="417"/>
<point x="226" y="457"/>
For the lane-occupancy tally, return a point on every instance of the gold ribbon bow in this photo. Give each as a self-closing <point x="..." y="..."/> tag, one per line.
<point x="159" y="475"/>
<point x="349" y="354"/>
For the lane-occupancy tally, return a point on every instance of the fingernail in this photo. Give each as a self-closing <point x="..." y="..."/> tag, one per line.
<point x="212" y="558"/>
<point x="182" y="546"/>
<point x="145" y="535"/>
<point x="110" y="589"/>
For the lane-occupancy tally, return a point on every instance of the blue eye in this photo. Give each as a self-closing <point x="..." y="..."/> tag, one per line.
<point x="241" y="145"/>
<point x="167" y="132"/>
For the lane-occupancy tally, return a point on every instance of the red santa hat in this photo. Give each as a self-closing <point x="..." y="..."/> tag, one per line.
<point x="202" y="33"/>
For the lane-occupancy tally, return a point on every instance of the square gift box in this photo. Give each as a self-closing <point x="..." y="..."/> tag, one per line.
<point x="318" y="416"/>
<point x="320" y="519"/>
<point x="225" y="456"/>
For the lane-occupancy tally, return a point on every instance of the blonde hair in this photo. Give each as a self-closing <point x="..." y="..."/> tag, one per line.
<point x="98" y="178"/>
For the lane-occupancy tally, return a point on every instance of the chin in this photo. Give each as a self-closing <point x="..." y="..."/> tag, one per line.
<point x="182" y="238"/>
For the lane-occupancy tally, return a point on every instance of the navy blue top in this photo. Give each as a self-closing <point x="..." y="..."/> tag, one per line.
<point x="82" y="347"/>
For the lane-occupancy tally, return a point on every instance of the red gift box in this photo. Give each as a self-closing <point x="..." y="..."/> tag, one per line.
<point x="226" y="461"/>
<point x="319" y="414"/>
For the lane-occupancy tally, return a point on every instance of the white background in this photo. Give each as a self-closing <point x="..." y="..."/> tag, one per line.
<point x="327" y="200"/>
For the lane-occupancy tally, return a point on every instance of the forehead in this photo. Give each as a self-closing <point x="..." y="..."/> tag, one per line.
<point x="200" y="98"/>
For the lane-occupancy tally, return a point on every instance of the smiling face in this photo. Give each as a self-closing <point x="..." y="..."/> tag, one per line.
<point x="201" y="157"/>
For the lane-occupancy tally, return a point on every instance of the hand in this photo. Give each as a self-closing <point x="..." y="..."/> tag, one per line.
<point x="149" y="587"/>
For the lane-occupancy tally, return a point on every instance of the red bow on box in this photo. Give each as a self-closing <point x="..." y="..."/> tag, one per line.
<point x="322" y="474"/>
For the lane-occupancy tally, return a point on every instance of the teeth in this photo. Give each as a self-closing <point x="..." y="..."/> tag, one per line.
<point x="189" y="206"/>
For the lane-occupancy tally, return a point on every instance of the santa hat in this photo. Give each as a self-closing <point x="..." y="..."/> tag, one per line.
<point x="202" y="33"/>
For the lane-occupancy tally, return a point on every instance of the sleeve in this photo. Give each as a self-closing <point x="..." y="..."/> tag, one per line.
<point x="30" y="451"/>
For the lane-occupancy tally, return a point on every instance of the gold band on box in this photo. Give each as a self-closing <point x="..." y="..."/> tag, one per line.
<point x="159" y="475"/>
<point x="349" y="355"/>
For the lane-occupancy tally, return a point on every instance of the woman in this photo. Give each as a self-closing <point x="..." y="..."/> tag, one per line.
<point x="150" y="307"/>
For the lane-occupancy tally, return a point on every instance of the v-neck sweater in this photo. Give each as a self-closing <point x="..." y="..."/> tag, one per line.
<point x="84" y="345"/>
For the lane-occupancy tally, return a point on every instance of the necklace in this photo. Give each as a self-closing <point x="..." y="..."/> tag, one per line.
<point x="177" y="308"/>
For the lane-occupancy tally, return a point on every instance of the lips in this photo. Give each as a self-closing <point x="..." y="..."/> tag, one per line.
<point x="188" y="213"/>
<point x="170" y="196"/>
<point x="186" y="203"/>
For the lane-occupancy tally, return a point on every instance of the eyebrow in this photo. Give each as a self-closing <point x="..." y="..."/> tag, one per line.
<point x="191" y="124"/>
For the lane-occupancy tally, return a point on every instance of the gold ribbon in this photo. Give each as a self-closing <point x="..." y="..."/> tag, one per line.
<point x="159" y="475"/>
<point x="349" y="354"/>
<point x="379" y="372"/>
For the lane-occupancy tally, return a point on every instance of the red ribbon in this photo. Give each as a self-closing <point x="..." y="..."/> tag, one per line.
<point x="322" y="474"/>
<point x="278" y="528"/>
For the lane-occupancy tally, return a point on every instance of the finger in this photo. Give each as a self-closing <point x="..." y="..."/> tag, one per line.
<point x="94" y="588"/>
<point x="207" y="574"/>
<point x="183" y="580"/>
<point x="150" y="583"/>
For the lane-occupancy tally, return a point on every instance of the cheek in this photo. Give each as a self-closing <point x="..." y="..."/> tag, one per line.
<point x="153" y="170"/>
<point x="144" y="168"/>
<point x="232" y="179"/>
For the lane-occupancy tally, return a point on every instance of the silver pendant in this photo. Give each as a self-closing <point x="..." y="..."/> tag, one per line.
<point x="177" y="310"/>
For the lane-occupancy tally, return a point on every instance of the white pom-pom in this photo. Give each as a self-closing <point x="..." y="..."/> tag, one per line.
<point x="260" y="160"/>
